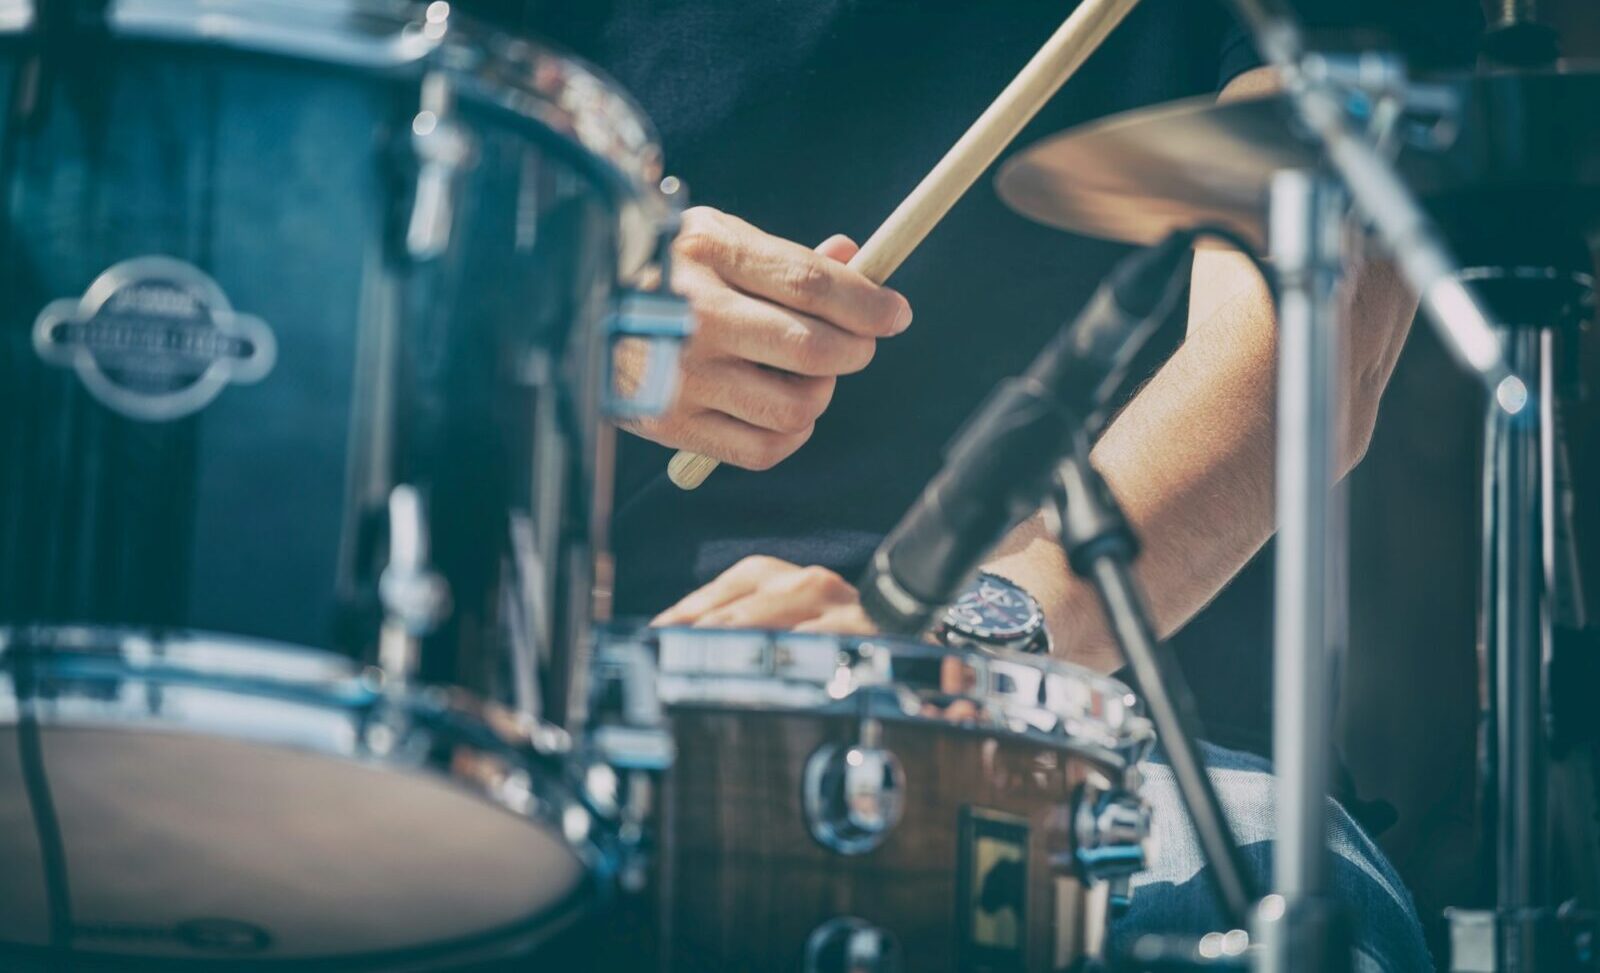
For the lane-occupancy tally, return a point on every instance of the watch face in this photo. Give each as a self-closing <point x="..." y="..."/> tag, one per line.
<point x="994" y="610"/>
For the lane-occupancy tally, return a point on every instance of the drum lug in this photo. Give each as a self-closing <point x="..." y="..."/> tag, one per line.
<point x="415" y="597"/>
<point x="444" y="150"/>
<point x="1111" y="837"/>
<point x="854" y="796"/>
<point x="851" y="945"/>
<point x="662" y="321"/>
<point x="629" y="730"/>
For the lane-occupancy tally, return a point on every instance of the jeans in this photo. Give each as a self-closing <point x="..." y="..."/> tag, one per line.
<point x="1174" y="895"/>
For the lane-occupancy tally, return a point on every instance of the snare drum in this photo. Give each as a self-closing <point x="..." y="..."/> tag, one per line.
<point x="304" y="366"/>
<point x="821" y="804"/>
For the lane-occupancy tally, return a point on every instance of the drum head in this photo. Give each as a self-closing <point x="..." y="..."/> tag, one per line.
<point x="256" y="843"/>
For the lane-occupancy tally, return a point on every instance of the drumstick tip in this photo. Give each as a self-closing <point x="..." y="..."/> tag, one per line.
<point x="688" y="470"/>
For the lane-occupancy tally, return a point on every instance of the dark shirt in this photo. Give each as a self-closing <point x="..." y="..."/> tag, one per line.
<point x="814" y="117"/>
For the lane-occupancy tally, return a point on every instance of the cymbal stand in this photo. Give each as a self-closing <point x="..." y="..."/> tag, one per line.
<point x="1297" y="925"/>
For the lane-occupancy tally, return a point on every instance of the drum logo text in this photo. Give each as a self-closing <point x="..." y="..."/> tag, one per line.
<point x="154" y="339"/>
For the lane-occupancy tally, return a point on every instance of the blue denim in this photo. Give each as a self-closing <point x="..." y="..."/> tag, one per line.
<point x="1175" y="894"/>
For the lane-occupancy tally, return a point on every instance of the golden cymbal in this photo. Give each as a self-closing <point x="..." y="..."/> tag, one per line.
<point x="1520" y="139"/>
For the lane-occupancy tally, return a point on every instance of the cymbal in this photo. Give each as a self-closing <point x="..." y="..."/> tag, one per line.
<point x="1526" y="143"/>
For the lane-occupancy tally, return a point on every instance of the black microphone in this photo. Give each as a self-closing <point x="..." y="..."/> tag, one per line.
<point x="997" y="470"/>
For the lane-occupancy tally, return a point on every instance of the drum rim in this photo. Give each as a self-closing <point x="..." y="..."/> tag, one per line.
<point x="514" y="781"/>
<point x="1120" y="734"/>
<point x="565" y="94"/>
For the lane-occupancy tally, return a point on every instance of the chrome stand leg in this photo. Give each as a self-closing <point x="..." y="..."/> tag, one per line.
<point x="1298" y="926"/>
<point x="1519" y="641"/>
<point x="1530" y="584"/>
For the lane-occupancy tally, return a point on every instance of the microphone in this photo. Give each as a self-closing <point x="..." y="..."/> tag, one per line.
<point x="997" y="470"/>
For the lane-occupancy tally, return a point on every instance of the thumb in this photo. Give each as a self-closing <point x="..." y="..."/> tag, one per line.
<point x="838" y="247"/>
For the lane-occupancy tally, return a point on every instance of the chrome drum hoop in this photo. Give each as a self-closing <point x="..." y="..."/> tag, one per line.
<point x="1047" y="701"/>
<point x="341" y="710"/>
<point x="315" y="781"/>
<point x="560" y="92"/>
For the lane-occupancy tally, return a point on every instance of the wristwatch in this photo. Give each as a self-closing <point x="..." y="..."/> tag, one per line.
<point x="994" y="613"/>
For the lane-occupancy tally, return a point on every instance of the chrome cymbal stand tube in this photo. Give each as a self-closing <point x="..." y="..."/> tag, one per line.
<point x="1298" y="926"/>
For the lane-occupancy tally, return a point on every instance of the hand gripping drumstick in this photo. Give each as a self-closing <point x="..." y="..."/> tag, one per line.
<point x="1057" y="61"/>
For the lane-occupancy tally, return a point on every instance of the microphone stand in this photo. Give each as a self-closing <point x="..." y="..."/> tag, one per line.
<point x="1101" y="548"/>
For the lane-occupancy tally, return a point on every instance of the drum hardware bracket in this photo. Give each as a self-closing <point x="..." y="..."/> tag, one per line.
<point x="416" y="599"/>
<point x="851" y="945"/>
<point x="854" y="795"/>
<point x="1111" y="838"/>
<point x="444" y="150"/>
<point x="630" y="731"/>
<point x="662" y="320"/>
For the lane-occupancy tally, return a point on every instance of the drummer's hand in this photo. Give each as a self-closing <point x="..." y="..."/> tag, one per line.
<point x="776" y="324"/>
<point x="764" y="592"/>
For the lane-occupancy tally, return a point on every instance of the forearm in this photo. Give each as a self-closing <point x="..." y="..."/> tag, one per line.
<point x="1191" y="458"/>
<point x="1190" y="461"/>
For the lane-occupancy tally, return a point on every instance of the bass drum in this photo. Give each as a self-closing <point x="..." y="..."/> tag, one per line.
<point x="304" y="379"/>
<point x="839" y="804"/>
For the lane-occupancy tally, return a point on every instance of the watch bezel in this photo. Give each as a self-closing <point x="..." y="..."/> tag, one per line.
<point x="1022" y="632"/>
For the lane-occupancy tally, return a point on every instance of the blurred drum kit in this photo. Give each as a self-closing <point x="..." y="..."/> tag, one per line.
<point x="306" y="656"/>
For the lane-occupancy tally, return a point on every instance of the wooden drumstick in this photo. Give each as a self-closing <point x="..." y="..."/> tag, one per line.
<point x="920" y="212"/>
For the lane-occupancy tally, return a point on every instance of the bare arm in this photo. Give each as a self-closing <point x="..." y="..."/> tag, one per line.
<point x="1191" y="458"/>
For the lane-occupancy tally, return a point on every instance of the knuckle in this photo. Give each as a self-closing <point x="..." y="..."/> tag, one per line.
<point x="798" y="406"/>
<point x="697" y="246"/>
<point x="710" y="307"/>
<point x="859" y="353"/>
<point x="807" y="282"/>
<point x="812" y="353"/>
<point x="771" y="451"/>
<point x="814" y="398"/>
<point x="755" y="565"/>
<point x="698" y="218"/>
<point x="787" y="415"/>
<point x="820" y="579"/>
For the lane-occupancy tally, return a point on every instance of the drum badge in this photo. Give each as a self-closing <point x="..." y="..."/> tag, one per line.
<point x="992" y="892"/>
<point x="154" y="339"/>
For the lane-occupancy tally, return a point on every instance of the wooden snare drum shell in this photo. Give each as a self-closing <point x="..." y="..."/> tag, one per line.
<point x="741" y="883"/>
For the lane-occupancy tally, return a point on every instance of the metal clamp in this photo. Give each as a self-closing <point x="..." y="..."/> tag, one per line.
<point x="854" y="796"/>
<point x="1111" y="836"/>
<point x="629" y="723"/>
<point x="415" y="597"/>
